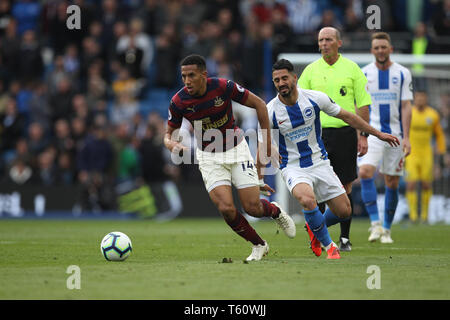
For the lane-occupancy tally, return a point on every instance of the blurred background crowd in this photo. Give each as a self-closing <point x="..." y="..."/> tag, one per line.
<point x="89" y="106"/>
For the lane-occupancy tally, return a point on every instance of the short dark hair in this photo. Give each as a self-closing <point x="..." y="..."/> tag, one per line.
<point x="283" y="64"/>
<point x="196" y="59"/>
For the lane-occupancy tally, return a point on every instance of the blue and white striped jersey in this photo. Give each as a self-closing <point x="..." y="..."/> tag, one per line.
<point x="296" y="129"/>
<point x="388" y="88"/>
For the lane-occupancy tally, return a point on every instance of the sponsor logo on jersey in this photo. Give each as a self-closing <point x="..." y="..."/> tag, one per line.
<point x="218" y="101"/>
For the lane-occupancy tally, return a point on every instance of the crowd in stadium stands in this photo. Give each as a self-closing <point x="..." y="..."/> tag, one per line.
<point x="89" y="106"/>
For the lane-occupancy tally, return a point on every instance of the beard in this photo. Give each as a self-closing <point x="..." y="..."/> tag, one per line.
<point x="382" y="61"/>
<point x="285" y="93"/>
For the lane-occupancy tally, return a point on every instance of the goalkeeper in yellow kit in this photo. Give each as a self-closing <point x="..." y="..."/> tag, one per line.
<point x="419" y="164"/>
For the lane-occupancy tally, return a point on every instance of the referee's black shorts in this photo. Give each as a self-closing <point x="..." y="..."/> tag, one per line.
<point x="342" y="147"/>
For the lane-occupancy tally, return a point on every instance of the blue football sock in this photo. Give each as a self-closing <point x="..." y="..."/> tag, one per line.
<point x="369" y="197"/>
<point x="331" y="218"/>
<point x="316" y="222"/>
<point x="390" y="205"/>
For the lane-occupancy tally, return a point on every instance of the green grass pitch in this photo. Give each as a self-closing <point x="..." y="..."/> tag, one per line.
<point x="182" y="260"/>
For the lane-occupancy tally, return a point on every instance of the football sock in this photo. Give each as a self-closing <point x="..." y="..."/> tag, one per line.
<point x="411" y="197"/>
<point x="316" y="222"/>
<point x="425" y="200"/>
<point x="345" y="225"/>
<point x="369" y="197"/>
<point x="390" y="205"/>
<point x="331" y="218"/>
<point x="241" y="226"/>
<point x="270" y="210"/>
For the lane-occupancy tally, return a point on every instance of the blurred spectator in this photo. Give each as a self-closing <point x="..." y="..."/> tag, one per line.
<point x="252" y="56"/>
<point x="154" y="15"/>
<point x="46" y="173"/>
<point x="80" y="108"/>
<point x="64" y="171"/>
<point x="56" y="16"/>
<point x="283" y="34"/>
<point x="131" y="58"/>
<point x="136" y="49"/>
<point x="60" y="101"/>
<point x="31" y="65"/>
<point x="154" y="166"/>
<point x="442" y="19"/>
<point x="125" y="105"/>
<point x="20" y="173"/>
<point x="329" y="20"/>
<point x="352" y="21"/>
<point x="5" y="15"/>
<point x="39" y="107"/>
<point x="27" y="14"/>
<point x="97" y="86"/>
<point x="37" y="139"/>
<point x="62" y="140"/>
<point x="93" y="164"/>
<point x="4" y="97"/>
<point x="192" y="12"/>
<point x="304" y="15"/>
<point x="168" y="48"/>
<point x="79" y="132"/>
<point x="91" y="53"/>
<point x="110" y="14"/>
<point x="71" y="61"/>
<point x="10" y="48"/>
<point x="12" y="126"/>
<point x="127" y="165"/>
<point x="57" y="73"/>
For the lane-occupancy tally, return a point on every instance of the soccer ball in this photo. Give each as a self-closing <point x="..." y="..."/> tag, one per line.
<point x="116" y="246"/>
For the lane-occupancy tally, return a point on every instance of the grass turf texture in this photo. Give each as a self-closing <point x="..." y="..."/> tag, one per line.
<point x="184" y="259"/>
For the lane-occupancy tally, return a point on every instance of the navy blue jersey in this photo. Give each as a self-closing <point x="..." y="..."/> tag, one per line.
<point x="213" y="109"/>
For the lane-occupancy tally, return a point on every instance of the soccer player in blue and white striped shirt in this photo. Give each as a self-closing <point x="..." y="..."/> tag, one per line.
<point x="296" y="131"/>
<point x="390" y="87"/>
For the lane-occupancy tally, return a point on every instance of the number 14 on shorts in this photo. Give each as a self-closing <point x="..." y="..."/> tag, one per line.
<point x="249" y="165"/>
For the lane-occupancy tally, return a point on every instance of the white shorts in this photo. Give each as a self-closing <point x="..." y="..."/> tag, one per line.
<point x="234" y="166"/>
<point x="389" y="159"/>
<point x="321" y="177"/>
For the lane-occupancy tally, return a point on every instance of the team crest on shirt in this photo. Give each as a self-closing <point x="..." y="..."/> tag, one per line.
<point x="429" y="121"/>
<point x="308" y="113"/>
<point x="218" y="101"/>
<point x="394" y="80"/>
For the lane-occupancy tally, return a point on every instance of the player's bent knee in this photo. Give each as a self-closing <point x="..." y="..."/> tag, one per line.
<point x="365" y="173"/>
<point x="252" y="207"/>
<point x="228" y="211"/>
<point x="308" y="203"/>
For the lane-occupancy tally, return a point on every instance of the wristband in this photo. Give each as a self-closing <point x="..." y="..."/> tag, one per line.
<point x="364" y="134"/>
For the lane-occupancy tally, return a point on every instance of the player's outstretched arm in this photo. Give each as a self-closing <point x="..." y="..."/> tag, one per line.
<point x="255" y="102"/>
<point x="358" y="123"/>
<point x="264" y="188"/>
